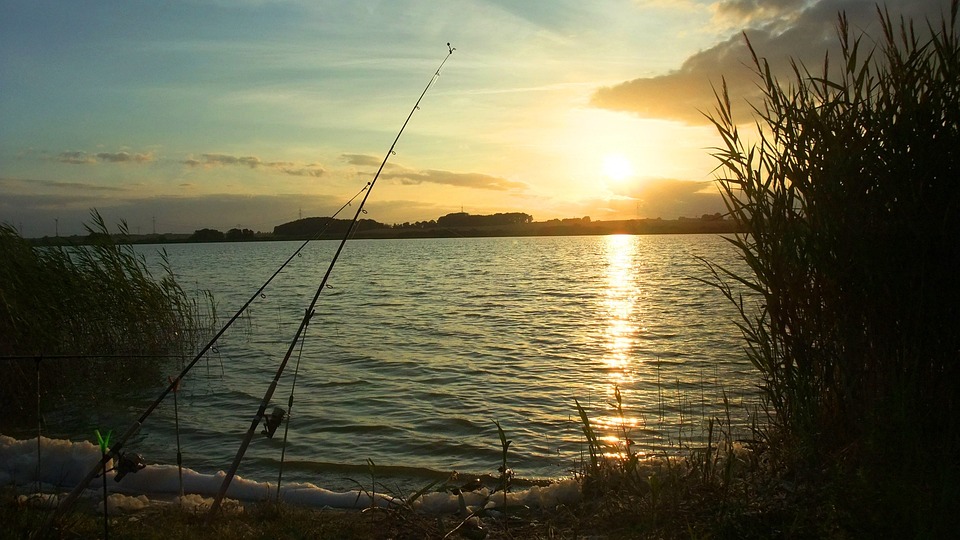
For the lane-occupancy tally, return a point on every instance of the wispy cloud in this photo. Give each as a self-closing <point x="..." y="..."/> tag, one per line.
<point x="124" y="157"/>
<point x="311" y="169"/>
<point x="468" y="180"/>
<point x="361" y="160"/>
<point x="83" y="158"/>
<point x="666" y="198"/>
<point x="214" y="160"/>
<point x="253" y="162"/>
<point x="18" y="185"/>
<point x="76" y="158"/>
<point x="409" y="176"/>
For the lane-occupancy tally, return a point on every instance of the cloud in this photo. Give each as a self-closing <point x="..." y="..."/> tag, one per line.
<point x="36" y="213"/>
<point x="647" y="198"/>
<point x="32" y="201"/>
<point x="668" y="189"/>
<point x="361" y="160"/>
<point x="469" y="180"/>
<point x="75" y="158"/>
<point x="747" y="12"/>
<point x="84" y="158"/>
<point x="124" y="157"/>
<point x="18" y="186"/>
<point x="214" y="160"/>
<point x="36" y="206"/>
<point x="286" y="167"/>
<point x="778" y="30"/>
<point x="432" y="176"/>
<point x="671" y="198"/>
<point x="311" y="169"/>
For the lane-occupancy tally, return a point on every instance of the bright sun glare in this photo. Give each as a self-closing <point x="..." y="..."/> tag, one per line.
<point x="617" y="167"/>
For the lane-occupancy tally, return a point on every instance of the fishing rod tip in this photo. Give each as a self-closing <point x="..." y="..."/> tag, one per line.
<point x="451" y="48"/>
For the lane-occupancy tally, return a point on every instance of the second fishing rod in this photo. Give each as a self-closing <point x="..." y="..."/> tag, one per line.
<point x="309" y="311"/>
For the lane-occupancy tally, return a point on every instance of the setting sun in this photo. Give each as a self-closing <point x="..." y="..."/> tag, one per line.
<point x="617" y="167"/>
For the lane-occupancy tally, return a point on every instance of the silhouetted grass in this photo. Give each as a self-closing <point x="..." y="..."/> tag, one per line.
<point x="850" y="201"/>
<point x="82" y="303"/>
<point x="725" y="488"/>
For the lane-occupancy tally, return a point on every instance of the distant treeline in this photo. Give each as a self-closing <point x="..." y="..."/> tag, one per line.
<point x="511" y="224"/>
<point x="316" y="225"/>
<point x="463" y="219"/>
<point x="325" y="225"/>
<point x="458" y="224"/>
<point x="213" y="235"/>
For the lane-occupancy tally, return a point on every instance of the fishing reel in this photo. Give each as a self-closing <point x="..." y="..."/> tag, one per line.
<point x="128" y="463"/>
<point x="272" y="422"/>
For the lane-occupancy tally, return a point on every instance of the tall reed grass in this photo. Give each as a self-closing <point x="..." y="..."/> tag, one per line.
<point x="851" y="205"/>
<point x="83" y="302"/>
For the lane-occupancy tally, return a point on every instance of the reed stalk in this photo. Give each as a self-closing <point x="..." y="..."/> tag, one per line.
<point x="850" y="203"/>
<point x="81" y="303"/>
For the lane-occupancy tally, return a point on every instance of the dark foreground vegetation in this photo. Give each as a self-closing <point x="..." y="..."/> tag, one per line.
<point x="849" y="202"/>
<point x="73" y="316"/>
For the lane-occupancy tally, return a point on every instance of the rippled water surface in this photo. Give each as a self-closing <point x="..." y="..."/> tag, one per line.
<point x="417" y="346"/>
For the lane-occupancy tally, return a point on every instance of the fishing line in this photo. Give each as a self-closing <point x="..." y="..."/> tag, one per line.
<point x="308" y="313"/>
<point x="114" y="451"/>
<point x="286" y="428"/>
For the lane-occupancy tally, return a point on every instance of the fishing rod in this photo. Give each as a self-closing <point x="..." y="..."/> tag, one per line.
<point x="114" y="450"/>
<point x="293" y="388"/>
<point x="308" y="313"/>
<point x="289" y="415"/>
<point x="352" y="230"/>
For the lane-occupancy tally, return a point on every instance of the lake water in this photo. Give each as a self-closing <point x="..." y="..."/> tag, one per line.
<point x="419" y="345"/>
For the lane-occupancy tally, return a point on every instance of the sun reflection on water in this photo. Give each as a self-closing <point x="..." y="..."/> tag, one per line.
<point x="620" y="334"/>
<point x="622" y="312"/>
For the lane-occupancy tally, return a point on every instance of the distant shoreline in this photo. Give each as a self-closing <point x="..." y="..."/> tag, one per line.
<point x="542" y="228"/>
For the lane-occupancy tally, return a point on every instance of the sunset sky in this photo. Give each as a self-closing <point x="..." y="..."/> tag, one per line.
<point x="181" y="115"/>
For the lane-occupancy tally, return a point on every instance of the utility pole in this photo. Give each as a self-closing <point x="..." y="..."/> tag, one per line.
<point x="56" y="226"/>
<point x="154" y="224"/>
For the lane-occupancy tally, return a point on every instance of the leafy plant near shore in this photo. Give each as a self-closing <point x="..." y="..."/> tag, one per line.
<point x="88" y="301"/>
<point x="850" y="201"/>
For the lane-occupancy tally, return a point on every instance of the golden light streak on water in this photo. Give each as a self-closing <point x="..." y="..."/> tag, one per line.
<point x="620" y="331"/>
<point x="621" y="337"/>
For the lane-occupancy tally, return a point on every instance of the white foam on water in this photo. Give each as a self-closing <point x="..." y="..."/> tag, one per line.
<point x="64" y="463"/>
